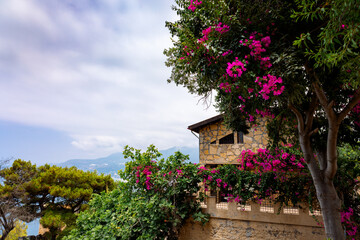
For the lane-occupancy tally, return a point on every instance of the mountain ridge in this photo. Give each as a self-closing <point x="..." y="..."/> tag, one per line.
<point x="112" y="163"/>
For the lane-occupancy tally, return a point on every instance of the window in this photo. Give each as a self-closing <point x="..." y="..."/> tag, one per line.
<point x="240" y="137"/>
<point x="228" y="139"/>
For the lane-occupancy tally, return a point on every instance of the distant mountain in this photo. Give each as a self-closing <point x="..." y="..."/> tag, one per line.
<point x="114" y="162"/>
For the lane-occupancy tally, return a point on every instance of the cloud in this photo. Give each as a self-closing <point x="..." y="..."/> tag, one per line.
<point x="89" y="143"/>
<point x="94" y="70"/>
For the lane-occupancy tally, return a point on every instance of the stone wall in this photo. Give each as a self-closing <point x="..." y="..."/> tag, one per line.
<point x="228" y="153"/>
<point x="231" y="221"/>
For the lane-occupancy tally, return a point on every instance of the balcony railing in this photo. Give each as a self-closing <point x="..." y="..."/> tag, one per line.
<point x="265" y="212"/>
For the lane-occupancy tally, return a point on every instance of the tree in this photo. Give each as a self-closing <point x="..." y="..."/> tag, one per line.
<point x="11" y="208"/>
<point x="152" y="201"/>
<point x="11" y="211"/>
<point x="53" y="193"/>
<point x="20" y="230"/>
<point x="294" y="62"/>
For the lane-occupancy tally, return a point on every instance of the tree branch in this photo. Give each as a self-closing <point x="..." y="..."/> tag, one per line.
<point x="331" y="154"/>
<point x="310" y="115"/>
<point x="355" y="100"/>
<point x="299" y="118"/>
<point x="324" y="101"/>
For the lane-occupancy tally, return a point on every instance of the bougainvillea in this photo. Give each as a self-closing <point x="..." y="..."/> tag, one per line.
<point x="194" y="4"/>
<point x="277" y="174"/>
<point x="156" y="196"/>
<point x="152" y="201"/>
<point x="297" y="60"/>
<point x="281" y="176"/>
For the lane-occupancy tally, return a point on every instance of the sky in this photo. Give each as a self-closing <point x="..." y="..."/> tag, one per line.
<point x="84" y="78"/>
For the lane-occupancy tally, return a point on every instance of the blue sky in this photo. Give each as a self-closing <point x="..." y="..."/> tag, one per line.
<point x="82" y="79"/>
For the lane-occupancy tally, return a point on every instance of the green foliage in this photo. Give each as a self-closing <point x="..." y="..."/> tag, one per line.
<point x="20" y="230"/>
<point x="59" y="222"/>
<point x="12" y="210"/>
<point x="151" y="202"/>
<point x="335" y="40"/>
<point x="278" y="175"/>
<point x="348" y="178"/>
<point x="156" y="196"/>
<point x="308" y="45"/>
<point x="53" y="193"/>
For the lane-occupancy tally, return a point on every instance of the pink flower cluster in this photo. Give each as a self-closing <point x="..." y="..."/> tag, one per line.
<point x="145" y="172"/>
<point x="194" y="4"/>
<point x="346" y="220"/>
<point x="266" y="41"/>
<point x="208" y="178"/>
<point x="256" y="48"/>
<point x="225" y="86"/>
<point x="270" y="161"/>
<point x="226" y="53"/>
<point x="222" y="28"/>
<point x="265" y="113"/>
<point x="205" y="33"/>
<point x="356" y="111"/>
<point x="179" y="173"/>
<point x="236" y="68"/>
<point x="269" y="84"/>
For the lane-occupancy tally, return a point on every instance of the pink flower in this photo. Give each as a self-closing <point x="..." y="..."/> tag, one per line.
<point x="193" y="4"/>
<point x="226" y="53"/>
<point x="225" y="86"/>
<point x="269" y="84"/>
<point x="236" y="68"/>
<point x="222" y="28"/>
<point x="266" y="41"/>
<point x="276" y="162"/>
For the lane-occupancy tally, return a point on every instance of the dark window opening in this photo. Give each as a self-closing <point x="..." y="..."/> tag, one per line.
<point x="240" y="137"/>
<point x="213" y="142"/>
<point x="229" y="139"/>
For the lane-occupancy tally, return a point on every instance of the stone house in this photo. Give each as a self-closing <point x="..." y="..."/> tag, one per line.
<point x="219" y="145"/>
<point x="230" y="220"/>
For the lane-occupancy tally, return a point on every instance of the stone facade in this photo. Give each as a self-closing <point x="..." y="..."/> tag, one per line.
<point x="213" y="151"/>
<point x="226" y="229"/>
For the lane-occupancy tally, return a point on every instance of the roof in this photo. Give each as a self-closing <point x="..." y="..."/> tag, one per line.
<point x="197" y="126"/>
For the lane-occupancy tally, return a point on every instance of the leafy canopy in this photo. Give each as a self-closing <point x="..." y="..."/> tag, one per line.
<point x="295" y="63"/>
<point x="262" y="56"/>
<point x="152" y="201"/>
<point x="52" y="193"/>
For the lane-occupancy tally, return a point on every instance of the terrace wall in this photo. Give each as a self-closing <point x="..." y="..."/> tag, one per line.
<point x="231" y="221"/>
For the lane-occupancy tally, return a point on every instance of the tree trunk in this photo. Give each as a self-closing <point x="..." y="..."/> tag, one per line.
<point x="5" y="232"/>
<point x="53" y="233"/>
<point x="330" y="205"/>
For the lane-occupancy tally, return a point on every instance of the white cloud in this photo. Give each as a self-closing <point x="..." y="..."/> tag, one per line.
<point x="91" y="143"/>
<point x="95" y="71"/>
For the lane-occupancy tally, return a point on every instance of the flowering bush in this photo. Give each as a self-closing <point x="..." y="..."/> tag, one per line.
<point x="157" y="196"/>
<point x="152" y="201"/>
<point x="300" y="62"/>
<point x="278" y="174"/>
